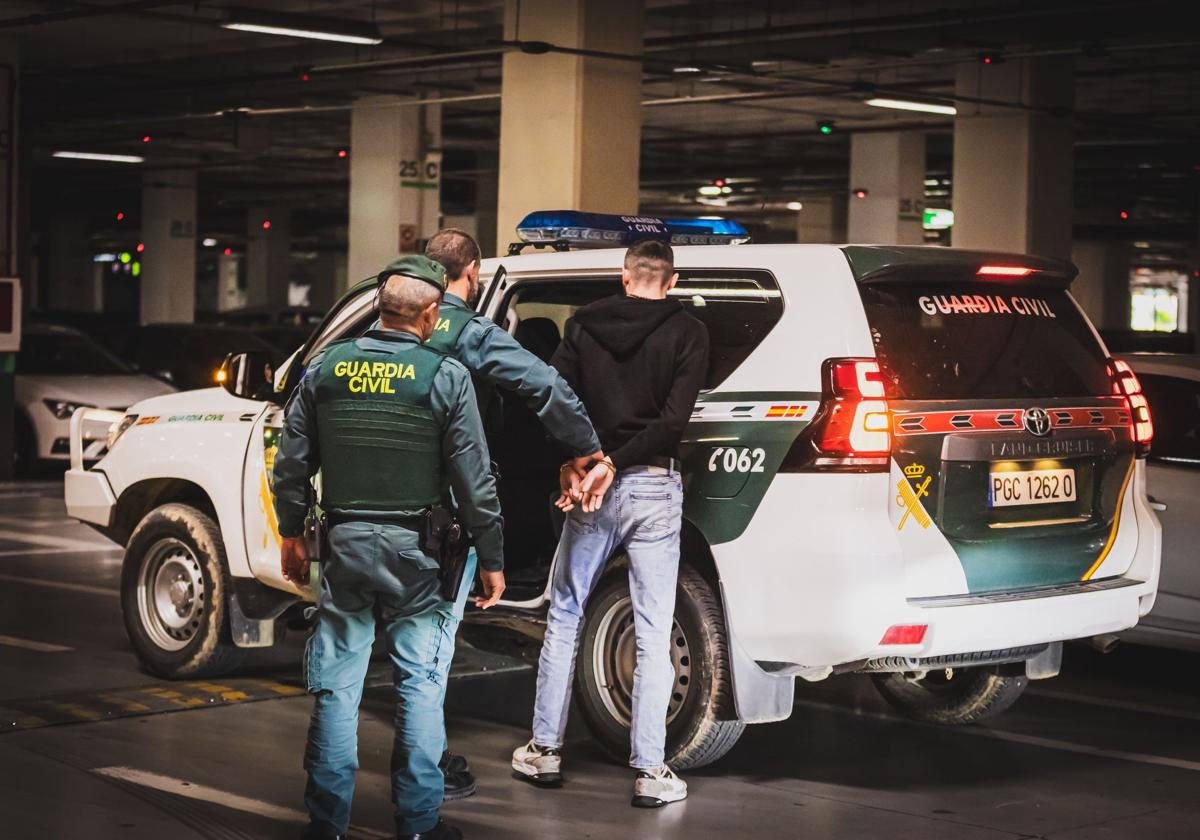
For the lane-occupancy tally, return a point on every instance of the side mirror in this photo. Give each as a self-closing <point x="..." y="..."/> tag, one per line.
<point x="248" y="375"/>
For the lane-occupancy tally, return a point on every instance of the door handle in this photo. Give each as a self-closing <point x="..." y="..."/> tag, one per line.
<point x="1155" y="504"/>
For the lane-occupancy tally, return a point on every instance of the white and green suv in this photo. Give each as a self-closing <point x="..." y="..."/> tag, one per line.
<point x="918" y="463"/>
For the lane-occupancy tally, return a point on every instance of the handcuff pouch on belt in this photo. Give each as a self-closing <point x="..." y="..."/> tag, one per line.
<point x="444" y="537"/>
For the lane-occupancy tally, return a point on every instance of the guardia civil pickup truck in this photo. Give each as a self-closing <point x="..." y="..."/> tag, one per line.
<point x="916" y="463"/>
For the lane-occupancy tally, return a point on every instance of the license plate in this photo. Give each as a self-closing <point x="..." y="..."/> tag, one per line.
<point x="1031" y="487"/>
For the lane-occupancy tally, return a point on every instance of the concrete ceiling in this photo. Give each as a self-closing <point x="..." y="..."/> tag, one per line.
<point x="263" y="117"/>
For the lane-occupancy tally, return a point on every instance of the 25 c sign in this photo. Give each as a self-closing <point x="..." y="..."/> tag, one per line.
<point x="732" y="459"/>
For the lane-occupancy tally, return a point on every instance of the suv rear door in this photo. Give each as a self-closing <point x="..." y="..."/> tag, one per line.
<point x="1005" y="423"/>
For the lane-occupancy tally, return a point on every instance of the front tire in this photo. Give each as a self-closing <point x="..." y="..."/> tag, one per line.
<point x="952" y="696"/>
<point x="701" y="726"/>
<point x="174" y="586"/>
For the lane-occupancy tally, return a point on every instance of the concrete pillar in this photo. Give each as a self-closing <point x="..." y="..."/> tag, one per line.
<point x="395" y="181"/>
<point x="888" y="170"/>
<point x="821" y="221"/>
<point x="329" y="279"/>
<point x="1013" y="167"/>
<point x="268" y="255"/>
<point x="570" y="126"/>
<point x="1102" y="287"/>
<point x="72" y="282"/>
<point x="169" y="263"/>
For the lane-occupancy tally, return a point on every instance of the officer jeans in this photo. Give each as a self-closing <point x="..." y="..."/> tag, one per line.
<point x="642" y="512"/>
<point x="379" y="573"/>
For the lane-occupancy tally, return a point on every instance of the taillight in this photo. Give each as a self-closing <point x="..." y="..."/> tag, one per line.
<point x="1126" y="384"/>
<point x="851" y="431"/>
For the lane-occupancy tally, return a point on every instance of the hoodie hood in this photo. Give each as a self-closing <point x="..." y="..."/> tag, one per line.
<point x="621" y="324"/>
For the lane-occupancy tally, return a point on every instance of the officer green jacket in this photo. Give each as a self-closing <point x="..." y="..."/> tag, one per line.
<point x="463" y="451"/>
<point x="497" y="360"/>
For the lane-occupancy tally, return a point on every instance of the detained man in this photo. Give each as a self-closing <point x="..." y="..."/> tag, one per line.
<point x="637" y="361"/>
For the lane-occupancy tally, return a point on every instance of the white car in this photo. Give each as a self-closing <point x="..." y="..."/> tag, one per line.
<point x="917" y="463"/>
<point x="58" y="371"/>
<point x="1172" y="385"/>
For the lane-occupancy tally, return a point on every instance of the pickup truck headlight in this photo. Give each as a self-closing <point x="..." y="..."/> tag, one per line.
<point x="63" y="409"/>
<point x="119" y="428"/>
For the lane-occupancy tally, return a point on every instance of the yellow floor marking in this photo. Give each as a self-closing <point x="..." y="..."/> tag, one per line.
<point x="123" y="703"/>
<point x="227" y="692"/>
<point x="75" y="710"/>
<point x="280" y="688"/>
<point x="175" y="697"/>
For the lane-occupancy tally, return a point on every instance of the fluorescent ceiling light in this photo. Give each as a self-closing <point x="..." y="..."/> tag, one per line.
<point x="302" y="26"/>
<point x="209" y="242"/>
<point x="99" y="156"/>
<point x="913" y="105"/>
<point x="687" y="69"/>
<point x="795" y="205"/>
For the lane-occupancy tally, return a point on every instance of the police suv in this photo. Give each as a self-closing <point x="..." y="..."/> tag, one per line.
<point x="917" y="463"/>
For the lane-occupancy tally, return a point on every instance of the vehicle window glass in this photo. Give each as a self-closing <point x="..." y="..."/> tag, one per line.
<point x="959" y="340"/>
<point x="354" y="318"/>
<point x="66" y="354"/>
<point x="1175" y="409"/>
<point x="739" y="309"/>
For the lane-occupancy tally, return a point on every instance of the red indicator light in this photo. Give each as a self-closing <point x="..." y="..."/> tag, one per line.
<point x="860" y="193"/>
<point x="228" y="252"/>
<point x="1005" y="270"/>
<point x="304" y="77"/>
<point x="341" y="153"/>
<point x="719" y="182"/>
<point x="266" y="224"/>
<point x="120" y="217"/>
<point x="141" y="246"/>
<point x="904" y="634"/>
<point x="146" y="138"/>
<point x="1124" y="214"/>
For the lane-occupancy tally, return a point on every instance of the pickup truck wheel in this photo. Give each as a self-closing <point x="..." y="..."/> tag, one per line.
<point x="951" y="696"/>
<point x="173" y="587"/>
<point x="700" y="725"/>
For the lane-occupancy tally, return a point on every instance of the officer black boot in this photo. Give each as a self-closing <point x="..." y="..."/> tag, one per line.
<point x="442" y="831"/>
<point x="459" y="782"/>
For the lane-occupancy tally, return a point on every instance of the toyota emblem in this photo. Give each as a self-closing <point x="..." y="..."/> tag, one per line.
<point x="1037" y="422"/>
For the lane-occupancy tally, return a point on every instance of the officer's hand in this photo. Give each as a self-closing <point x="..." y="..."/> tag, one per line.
<point x="493" y="588"/>
<point x="294" y="560"/>
<point x="569" y="482"/>
<point x="595" y="485"/>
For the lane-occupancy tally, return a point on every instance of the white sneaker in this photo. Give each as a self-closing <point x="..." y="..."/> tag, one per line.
<point x="655" y="788"/>
<point x="541" y="766"/>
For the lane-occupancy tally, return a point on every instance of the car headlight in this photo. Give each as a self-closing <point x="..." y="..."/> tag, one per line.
<point x="63" y="409"/>
<point x="119" y="428"/>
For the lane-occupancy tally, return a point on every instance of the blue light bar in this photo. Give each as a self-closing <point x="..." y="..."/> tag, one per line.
<point x="575" y="229"/>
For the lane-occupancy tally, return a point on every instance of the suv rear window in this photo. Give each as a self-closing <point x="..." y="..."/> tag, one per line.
<point x="957" y="340"/>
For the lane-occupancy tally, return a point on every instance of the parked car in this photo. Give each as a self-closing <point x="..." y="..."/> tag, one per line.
<point x="1172" y="385"/>
<point x="60" y="369"/>
<point x="187" y="356"/>
<point x="915" y="463"/>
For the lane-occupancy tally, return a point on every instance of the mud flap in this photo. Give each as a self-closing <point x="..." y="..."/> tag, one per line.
<point x="758" y="697"/>
<point x="248" y="632"/>
<point x="1046" y="664"/>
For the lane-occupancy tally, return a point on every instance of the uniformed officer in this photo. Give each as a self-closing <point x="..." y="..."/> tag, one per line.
<point x="498" y="362"/>
<point x="393" y="426"/>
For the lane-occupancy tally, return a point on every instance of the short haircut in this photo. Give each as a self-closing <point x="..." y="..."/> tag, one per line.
<point x="402" y="299"/>
<point x="455" y="249"/>
<point x="650" y="261"/>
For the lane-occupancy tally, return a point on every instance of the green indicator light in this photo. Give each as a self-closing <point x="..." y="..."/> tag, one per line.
<point x="125" y="257"/>
<point x="136" y="269"/>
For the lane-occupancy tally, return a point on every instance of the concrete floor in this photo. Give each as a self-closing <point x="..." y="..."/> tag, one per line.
<point x="1111" y="749"/>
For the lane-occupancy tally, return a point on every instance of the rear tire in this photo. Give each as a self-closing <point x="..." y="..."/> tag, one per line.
<point x="701" y="726"/>
<point x="173" y="595"/>
<point x="968" y="695"/>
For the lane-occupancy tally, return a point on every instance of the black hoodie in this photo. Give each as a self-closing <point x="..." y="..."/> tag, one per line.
<point x="638" y="366"/>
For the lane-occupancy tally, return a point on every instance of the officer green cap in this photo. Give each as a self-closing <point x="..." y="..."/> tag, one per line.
<point x="419" y="266"/>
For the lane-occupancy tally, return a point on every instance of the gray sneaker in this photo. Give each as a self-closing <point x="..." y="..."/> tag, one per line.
<point x="541" y="766"/>
<point x="655" y="788"/>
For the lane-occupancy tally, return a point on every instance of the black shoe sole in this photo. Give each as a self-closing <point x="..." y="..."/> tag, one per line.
<point x="647" y="802"/>
<point x="455" y="794"/>
<point x="545" y="780"/>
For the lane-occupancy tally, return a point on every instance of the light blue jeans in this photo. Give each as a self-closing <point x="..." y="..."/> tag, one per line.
<point x="642" y="513"/>
<point x="379" y="570"/>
